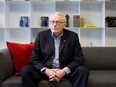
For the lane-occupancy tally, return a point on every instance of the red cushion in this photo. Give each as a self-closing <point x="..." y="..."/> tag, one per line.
<point x="20" y="54"/>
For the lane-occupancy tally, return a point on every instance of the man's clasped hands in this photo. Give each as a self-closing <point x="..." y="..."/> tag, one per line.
<point x="55" y="74"/>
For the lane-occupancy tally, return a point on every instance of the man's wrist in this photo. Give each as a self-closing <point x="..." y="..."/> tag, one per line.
<point x="67" y="70"/>
<point x="43" y="70"/>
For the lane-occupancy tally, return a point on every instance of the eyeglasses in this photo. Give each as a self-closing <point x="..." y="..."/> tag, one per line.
<point x="57" y="22"/>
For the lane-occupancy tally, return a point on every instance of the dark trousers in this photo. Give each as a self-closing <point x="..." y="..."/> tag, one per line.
<point x="31" y="76"/>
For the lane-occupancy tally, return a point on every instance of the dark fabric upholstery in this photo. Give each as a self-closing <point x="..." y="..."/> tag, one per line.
<point x="63" y="83"/>
<point x="101" y="62"/>
<point x="16" y="82"/>
<point x="102" y="78"/>
<point x="97" y="78"/>
<point x="6" y="67"/>
<point x="100" y="58"/>
<point x="12" y="82"/>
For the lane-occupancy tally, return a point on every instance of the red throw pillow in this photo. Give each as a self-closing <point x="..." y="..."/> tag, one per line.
<point x="20" y="54"/>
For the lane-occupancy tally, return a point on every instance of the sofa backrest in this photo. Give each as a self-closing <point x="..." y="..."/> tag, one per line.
<point x="100" y="58"/>
<point x="96" y="58"/>
<point x="6" y="65"/>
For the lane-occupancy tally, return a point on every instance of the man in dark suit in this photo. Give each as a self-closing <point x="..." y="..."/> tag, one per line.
<point x="57" y="54"/>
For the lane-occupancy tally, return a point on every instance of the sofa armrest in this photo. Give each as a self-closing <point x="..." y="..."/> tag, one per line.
<point x="6" y="65"/>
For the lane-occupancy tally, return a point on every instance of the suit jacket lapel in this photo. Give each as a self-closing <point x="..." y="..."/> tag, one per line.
<point x="63" y="42"/>
<point x="51" y="41"/>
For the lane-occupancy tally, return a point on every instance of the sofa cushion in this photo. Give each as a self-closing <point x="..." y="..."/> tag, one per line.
<point x="6" y="65"/>
<point x="100" y="58"/>
<point x="102" y="78"/>
<point x="62" y="83"/>
<point x="20" y="54"/>
<point x="16" y="82"/>
<point x="12" y="82"/>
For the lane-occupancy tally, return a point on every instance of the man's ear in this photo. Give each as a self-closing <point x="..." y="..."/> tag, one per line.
<point x="65" y="24"/>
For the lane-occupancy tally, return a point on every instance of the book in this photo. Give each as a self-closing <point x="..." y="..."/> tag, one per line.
<point x="76" y="21"/>
<point x="90" y="25"/>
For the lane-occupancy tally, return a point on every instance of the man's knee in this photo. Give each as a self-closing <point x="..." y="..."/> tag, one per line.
<point x="82" y="69"/>
<point x="25" y="70"/>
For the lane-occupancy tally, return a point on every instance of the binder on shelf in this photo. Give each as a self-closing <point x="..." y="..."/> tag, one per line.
<point x="90" y="25"/>
<point x="76" y="21"/>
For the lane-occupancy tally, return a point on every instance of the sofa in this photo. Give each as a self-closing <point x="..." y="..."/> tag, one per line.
<point x="101" y="62"/>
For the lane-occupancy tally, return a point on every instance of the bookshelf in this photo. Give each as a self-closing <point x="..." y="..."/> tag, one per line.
<point x="93" y="12"/>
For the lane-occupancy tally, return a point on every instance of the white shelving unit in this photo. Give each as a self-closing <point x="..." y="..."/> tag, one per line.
<point x="110" y="32"/>
<point x="93" y="12"/>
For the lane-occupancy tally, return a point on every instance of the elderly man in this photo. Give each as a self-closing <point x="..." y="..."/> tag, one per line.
<point x="57" y="55"/>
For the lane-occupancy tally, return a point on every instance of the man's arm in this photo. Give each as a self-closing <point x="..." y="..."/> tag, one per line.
<point x="36" y="57"/>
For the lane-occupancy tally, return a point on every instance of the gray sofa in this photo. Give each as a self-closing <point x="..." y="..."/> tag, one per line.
<point x="101" y="61"/>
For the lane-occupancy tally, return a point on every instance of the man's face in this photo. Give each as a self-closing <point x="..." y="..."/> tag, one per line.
<point x="57" y="24"/>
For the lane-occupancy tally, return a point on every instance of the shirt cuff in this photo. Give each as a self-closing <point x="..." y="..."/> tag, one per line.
<point x="67" y="70"/>
<point x="43" y="69"/>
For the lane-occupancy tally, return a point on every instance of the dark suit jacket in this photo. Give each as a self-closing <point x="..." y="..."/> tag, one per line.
<point x="70" y="51"/>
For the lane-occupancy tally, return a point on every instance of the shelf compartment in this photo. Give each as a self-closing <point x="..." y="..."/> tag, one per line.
<point x="14" y="12"/>
<point x="18" y="35"/>
<point x="41" y="9"/>
<point x="93" y="13"/>
<point x="68" y="7"/>
<point x="110" y="34"/>
<point x="92" y="37"/>
<point x="35" y="31"/>
<point x="76" y="30"/>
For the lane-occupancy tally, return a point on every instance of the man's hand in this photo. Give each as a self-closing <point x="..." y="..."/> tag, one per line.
<point x="51" y="74"/>
<point x="54" y="78"/>
<point x="55" y="74"/>
<point x="60" y="73"/>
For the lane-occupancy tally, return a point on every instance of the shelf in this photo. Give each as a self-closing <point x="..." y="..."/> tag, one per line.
<point x="93" y="28"/>
<point x="93" y="12"/>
